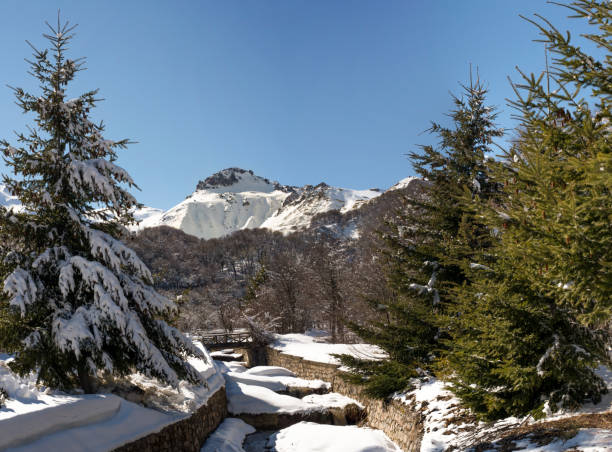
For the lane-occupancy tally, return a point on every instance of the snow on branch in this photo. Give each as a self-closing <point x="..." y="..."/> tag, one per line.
<point x="147" y="299"/>
<point x="71" y="333"/>
<point x="92" y="274"/>
<point x="115" y="254"/>
<point x="429" y="288"/>
<point x="476" y="266"/>
<point x="179" y="340"/>
<point x="22" y="289"/>
<point x="109" y="168"/>
<point x="99" y="176"/>
<point x="547" y="354"/>
<point x="151" y="360"/>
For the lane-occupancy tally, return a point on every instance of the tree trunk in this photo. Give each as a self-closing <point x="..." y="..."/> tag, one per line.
<point x="86" y="380"/>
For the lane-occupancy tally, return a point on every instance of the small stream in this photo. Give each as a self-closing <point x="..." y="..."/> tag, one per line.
<point x="256" y="442"/>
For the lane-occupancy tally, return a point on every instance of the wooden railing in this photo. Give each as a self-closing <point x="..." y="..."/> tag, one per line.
<point x="225" y="339"/>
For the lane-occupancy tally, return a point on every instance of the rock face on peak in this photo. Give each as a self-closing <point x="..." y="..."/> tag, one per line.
<point x="238" y="180"/>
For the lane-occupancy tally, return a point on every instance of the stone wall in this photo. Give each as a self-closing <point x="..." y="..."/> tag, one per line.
<point x="399" y="421"/>
<point x="185" y="435"/>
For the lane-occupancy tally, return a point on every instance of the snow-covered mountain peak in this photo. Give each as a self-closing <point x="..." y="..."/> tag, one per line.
<point x="405" y="183"/>
<point x="238" y="180"/>
<point x="235" y="199"/>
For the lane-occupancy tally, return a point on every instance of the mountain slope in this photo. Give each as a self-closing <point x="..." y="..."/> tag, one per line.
<point x="299" y="208"/>
<point x="225" y="202"/>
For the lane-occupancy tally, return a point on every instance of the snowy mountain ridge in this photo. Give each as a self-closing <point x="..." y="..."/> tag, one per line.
<point x="235" y="199"/>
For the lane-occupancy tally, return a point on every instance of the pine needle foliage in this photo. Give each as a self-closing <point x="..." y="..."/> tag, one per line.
<point x="76" y="301"/>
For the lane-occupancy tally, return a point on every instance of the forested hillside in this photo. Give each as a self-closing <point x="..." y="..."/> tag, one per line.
<point x="309" y="277"/>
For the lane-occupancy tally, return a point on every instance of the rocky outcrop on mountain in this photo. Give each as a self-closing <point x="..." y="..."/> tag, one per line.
<point x="232" y="178"/>
<point x="240" y="180"/>
<point x="302" y="206"/>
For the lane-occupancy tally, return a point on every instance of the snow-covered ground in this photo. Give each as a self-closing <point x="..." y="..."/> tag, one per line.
<point x="586" y="440"/>
<point x="36" y="418"/>
<point x="312" y="346"/>
<point x="446" y="424"/>
<point x="255" y="391"/>
<point x="228" y="437"/>
<point x="247" y="395"/>
<point x="274" y="378"/>
<point x="310" y="437"/>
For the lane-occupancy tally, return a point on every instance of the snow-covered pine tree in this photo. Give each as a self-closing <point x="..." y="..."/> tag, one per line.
<point x="76" y="301"/>
<point x="430" y="246"/>
<point x="533" y="325"/>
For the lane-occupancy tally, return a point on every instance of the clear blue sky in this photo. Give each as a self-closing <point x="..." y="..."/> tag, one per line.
<point x="299" y="91"/>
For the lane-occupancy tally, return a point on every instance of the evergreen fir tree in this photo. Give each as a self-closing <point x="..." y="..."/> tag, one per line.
<point x="530" y="327"/>
<point x="76" y="300"/>
<point x="428" y="245"/>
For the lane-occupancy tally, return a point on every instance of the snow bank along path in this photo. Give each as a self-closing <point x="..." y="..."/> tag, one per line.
<point x="228" y="437"/>
<point x="310" y="437"/>
<point x="31" y="425"/>
<point x="254" y="391"/>
<point x="35" y="419"/>
<point x="131" y="422"/>
<point x="312" y="347"/>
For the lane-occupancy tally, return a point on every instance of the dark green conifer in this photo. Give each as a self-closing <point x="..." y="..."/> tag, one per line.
<point x="427" y="246"/>
<point x="529" y="330"/>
